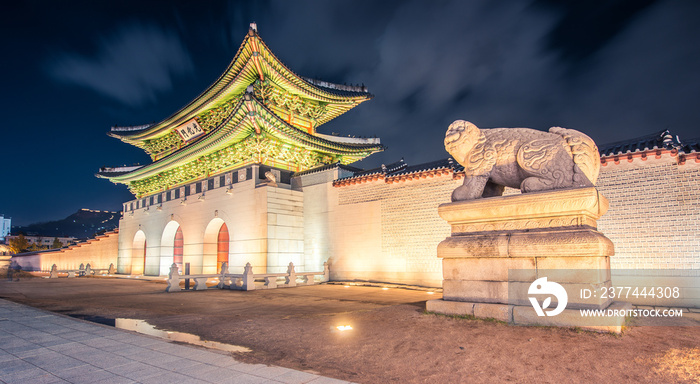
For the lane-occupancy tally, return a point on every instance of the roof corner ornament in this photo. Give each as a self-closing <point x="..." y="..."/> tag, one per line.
<point x="254" y="27"/>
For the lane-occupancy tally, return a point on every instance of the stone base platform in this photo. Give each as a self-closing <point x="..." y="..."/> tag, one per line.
<point x="499" y="246"/>
<point x="526" y="315"/>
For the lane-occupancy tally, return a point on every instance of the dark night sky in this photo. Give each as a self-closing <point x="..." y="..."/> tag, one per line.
<point x="70" y="70"/>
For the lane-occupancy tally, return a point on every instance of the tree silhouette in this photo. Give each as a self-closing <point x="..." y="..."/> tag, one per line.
<point x="19" y="244"/>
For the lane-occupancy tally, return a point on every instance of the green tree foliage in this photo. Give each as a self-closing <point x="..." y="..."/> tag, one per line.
<point x="19" y="244"/>
<point x="56" y="243"/>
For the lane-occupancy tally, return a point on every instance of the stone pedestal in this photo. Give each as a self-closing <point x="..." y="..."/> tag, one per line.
<point x="499" y="246"/>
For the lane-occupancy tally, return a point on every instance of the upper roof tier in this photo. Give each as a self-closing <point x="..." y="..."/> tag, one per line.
<point x="302" y="102"/>
<point x="257" y="112"/>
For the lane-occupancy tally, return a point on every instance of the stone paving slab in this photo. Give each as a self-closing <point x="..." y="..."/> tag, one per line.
<point x="41" y="347"/>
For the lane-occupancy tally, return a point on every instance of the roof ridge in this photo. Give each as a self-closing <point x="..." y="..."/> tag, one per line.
<point x="660" y="140"/>
<point x="656" y="135"/>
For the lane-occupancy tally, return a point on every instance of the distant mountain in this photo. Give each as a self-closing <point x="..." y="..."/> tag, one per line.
<point x="83" y="224"/>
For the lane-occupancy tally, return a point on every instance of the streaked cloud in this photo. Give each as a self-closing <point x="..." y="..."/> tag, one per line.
<point x="132" y="66"/>
<point x="614" y="71"/>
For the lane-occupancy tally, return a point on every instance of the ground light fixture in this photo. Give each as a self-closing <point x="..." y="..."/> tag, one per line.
<point x="344" y="328"/>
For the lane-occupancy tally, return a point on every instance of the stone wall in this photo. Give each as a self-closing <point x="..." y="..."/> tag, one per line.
<point x="654" y="214"/>
<point x="99" y="252"/>
<point x="390" y="232"/>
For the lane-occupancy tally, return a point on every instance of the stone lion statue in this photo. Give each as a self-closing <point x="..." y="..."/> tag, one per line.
<point x="523" y="158"/>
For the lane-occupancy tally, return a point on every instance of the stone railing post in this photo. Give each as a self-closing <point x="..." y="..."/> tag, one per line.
<point x="111" y="270"/>
<point x="270" y="282"/>
<point x="81" y="270"/>
<point x="248" y="278"/>
<point x="291" y="279"/>
<point x="222" y="275"/>
<point x="326" y="273"/>
<point x="88" y="270"/>
<point x="173" y="279"/>
<point x="308" y="278"/>
<point x="54" y="272"/>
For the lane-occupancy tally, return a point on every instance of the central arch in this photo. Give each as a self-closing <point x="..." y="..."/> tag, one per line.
<point x="168" y="250"/>
<point x="216" y="246"/>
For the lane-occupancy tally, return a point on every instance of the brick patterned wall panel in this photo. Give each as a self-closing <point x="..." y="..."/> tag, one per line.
<point x="411" y="228"/>
<point x="653" y="220"/>
<point x="654" y="215"/>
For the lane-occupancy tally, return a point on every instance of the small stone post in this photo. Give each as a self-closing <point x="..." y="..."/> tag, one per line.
<point x="54" y="272"/>
<point x="326" y="273"/>
<point x="111" y="270"/>
<point x="291" y="279"/>
<point x="81" y="270"/>
<point x="248" y="278"/>
<point x="88" y="270"/>
<point x="173" y="279"/>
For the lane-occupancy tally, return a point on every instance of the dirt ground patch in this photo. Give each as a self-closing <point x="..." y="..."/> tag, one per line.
<point x="392" y="340"/>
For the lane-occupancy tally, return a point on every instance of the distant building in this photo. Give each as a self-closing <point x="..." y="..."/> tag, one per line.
<point x="5" y="225"/>
<point x="46" y="242"/>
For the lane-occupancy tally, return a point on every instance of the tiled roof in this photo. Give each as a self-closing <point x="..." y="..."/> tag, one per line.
<point x="447" y="163"/>
<point x="339" y="90"/>
<point x="691" y="145"/>
<point x="400" y="169"/>
<point x="383" y="169"/>
<point x="659" y="140"/>
<point x="116" y="171"/>
<point x="327" y="167"/>
<point x="131" y="129"/>
<point x="233" y="130"/>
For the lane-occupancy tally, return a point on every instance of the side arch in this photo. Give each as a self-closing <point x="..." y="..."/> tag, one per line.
<point x="138" y="253"/>
<point x="216" y="246"/>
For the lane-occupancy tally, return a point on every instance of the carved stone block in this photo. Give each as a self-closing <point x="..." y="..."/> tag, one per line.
<point x="523" y="158"/>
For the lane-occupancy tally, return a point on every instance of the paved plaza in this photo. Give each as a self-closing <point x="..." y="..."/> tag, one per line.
<point x="41" y="347"/>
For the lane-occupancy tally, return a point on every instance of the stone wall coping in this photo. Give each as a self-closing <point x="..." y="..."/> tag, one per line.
<point x="581" y="202"/>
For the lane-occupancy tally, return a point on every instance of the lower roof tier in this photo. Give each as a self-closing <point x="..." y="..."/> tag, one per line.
<point x="252" y="134"/>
